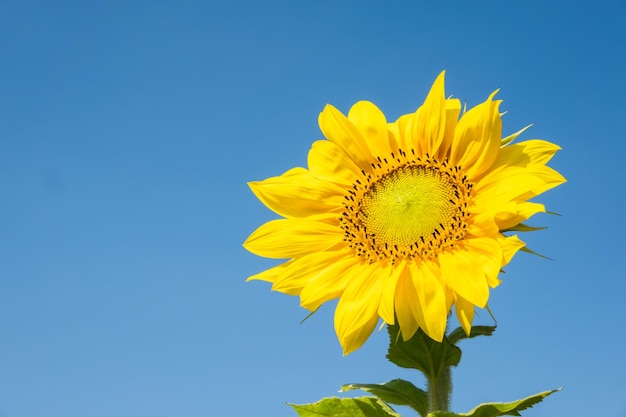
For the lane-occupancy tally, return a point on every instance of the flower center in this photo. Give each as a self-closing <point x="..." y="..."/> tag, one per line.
<point x="407" y="205"/>
<point x="406" y="209"/>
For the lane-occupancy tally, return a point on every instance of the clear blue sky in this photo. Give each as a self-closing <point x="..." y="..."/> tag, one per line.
<point x="128" y="131"/>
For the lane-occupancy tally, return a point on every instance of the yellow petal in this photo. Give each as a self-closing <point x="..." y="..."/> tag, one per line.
<point x="515" y="213"/>
<point x="328" y="281"/>
<point x="405" y="299"/>
<point x="401" y="131"/>
<point x="389" y="275"/>
<point x="510" y="246"/>
<point x="394" y="141"/>
<point x="339" y="130"/>
<point x="431" y="307"/>
<point x="297" y="273"/>
<point x="269" y="275"/>
<point x="482" y="224"/>
<point x="328" y="162"/>
<point x="292" y="238"/>
<point x="530" y="154"/>
<point x="534" y="151"/>
<point x="372" y="124"/>
<point x="297" y="193"/>
<point x="430" y="124"/>
<point x="453" y="109"/>
<point x="477" y="138"/>
<point x="488" y="252"/>
<point x="463" y="273"/>
<point x="357" y="311"/>
<point x="464" y="313"/>
<point x="515" y="183"/>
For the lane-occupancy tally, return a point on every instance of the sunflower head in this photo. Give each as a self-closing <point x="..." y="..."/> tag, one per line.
<point x="401" y="221"/>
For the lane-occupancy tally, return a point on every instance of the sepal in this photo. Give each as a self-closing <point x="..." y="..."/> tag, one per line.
<point x="459" y="334"/>
<point x="521" y="227"/>
<point x="532" y="252"/>
<point x="422" y="353"/>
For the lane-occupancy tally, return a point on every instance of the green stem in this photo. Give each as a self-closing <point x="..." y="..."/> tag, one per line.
<point x="440" y="391"/>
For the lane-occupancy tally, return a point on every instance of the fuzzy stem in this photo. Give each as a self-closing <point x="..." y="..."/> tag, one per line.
<point x="440" y="391"/>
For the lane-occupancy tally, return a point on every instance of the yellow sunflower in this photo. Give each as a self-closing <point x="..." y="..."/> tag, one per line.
<point x="402" y="220"/>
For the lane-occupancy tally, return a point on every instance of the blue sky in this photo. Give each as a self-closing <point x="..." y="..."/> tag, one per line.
<point x="128" y="132"/>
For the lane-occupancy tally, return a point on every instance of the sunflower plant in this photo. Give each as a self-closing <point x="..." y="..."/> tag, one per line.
<point x="404" y="222"/>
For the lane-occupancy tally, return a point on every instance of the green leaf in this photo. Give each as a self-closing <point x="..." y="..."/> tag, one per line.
<point x="521" y="227"/>
<point x="345" y="407"/>
<point x="498" y="409"/>
<point x="397" y="391"/>
<point x="458" y="334"/>
<point x="422" y="353"/>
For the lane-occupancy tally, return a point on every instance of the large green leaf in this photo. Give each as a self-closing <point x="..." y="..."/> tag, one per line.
<point x="346" y="407"/>
<point x="422" y="353"/>
<point x="498" y="409"/>
<point x="458" y="334"/>
<point x="397" y="391"/>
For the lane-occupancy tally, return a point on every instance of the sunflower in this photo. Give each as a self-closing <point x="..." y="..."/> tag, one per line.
<point x="403" y="220"/>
